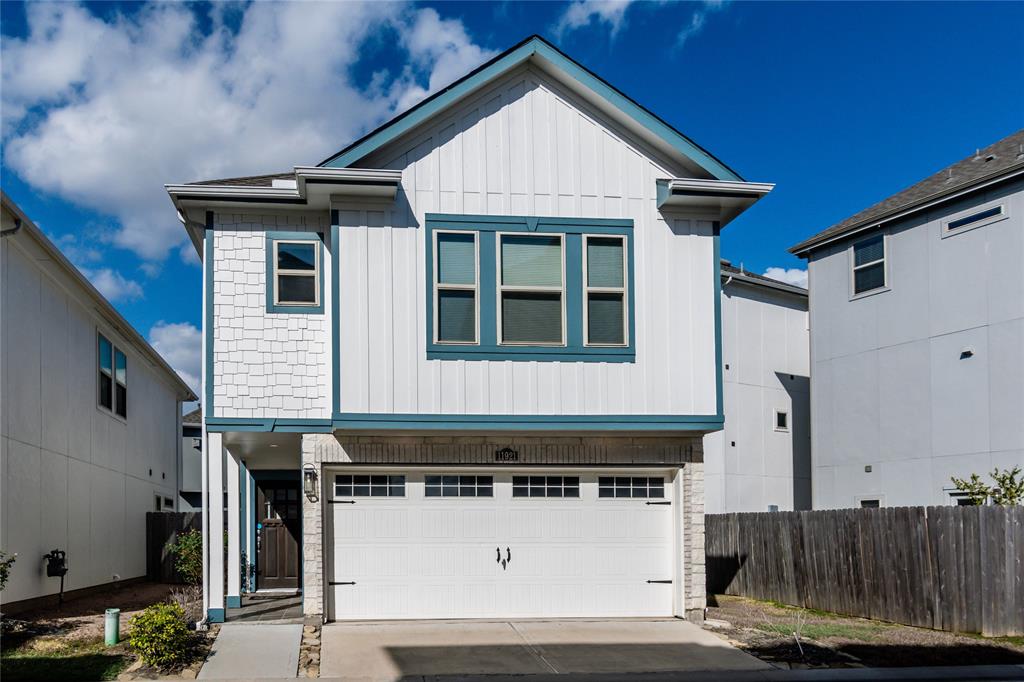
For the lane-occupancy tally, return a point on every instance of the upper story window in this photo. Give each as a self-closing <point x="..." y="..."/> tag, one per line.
<point x="869" y="264"/>
<point x="519" y="288"/>
<point x="294" y="272"/>
<point x="532" y="290"/>
<point x="112" y="365"/>
<point x="969" y="220"/>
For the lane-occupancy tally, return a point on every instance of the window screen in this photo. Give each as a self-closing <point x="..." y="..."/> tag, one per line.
<point x="296" y="266"/>
<point x="532" y="296"/>
<point x="869" y="264"/>
<point x="606" y="291"/>
<point x="456" y="301"/>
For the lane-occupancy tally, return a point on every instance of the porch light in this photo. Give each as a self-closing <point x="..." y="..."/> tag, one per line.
<point x="309" y="482"/>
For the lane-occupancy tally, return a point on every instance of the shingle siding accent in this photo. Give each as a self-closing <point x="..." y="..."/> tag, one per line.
<point x="322" y="450"/>
<point x="265" y="364"/>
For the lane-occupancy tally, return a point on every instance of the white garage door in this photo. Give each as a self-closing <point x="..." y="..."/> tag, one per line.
<point x="499" y="544"/>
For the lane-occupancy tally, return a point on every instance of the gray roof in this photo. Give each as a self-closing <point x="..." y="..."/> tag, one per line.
<point x="248" y="180"/>
<point x="1003" y="157"/>
<point x="193" y="418"/>
<point x="728" y="269"/>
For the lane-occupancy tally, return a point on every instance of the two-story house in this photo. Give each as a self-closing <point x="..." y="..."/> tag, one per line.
<point x="90" y="417"/>
<point x="917" y="337"/>
<point x="463" y="367"/>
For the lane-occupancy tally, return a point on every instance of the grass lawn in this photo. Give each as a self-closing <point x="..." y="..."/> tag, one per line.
<point x="864" y="633"/>
<point x="64" y="660"/>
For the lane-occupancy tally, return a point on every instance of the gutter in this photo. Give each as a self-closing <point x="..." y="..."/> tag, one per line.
<point x="12" y="230"/>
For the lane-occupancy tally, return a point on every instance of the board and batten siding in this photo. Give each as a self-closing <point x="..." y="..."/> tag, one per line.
<point x="266" y="365"/>
<point x="523" y="146"/>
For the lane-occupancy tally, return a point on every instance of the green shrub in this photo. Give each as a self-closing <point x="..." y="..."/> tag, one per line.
<point x="188" y="556"/>
<point x="6" y="561"/>
<point x="160" y="636"/>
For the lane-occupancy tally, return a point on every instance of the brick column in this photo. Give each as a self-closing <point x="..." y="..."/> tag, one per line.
<point x="312" y="534"/>
<point x="694" y="588"/>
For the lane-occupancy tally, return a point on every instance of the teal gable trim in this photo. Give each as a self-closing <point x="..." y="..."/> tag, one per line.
<point x="487" y="422"/>
<point x="293" y="309"/>
<point x="534" y="46"/>
<point x="215" y="615"/>
<point x="719" y="398"/>
<point x="335" y="319"/>
<point x="573" y="230"/>
<point x="208" y="322"/>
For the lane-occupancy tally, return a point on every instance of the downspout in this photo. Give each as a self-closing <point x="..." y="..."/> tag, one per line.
<point x="12" y="230"/>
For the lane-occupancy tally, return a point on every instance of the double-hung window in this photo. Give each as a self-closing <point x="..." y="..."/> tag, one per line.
<point x="294" y="272"/>
<point x="456" y="287"/>
<point x="112" y="365"/>
<point x="532" y="289"/>
<point x="869" y="264"/>
<point x="604" y="273"/>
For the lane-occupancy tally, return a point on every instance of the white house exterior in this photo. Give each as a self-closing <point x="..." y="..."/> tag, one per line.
<point x="89" y="423"/>
<point x="464" y="367"/>
<point x="761" y="460"/>
<point x="917" y="337"/>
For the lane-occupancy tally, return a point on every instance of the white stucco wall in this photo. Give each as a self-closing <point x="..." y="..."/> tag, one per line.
<point x="765" y="351"/>
<point x="890" y="389"/>
<point x="74" y="476"/>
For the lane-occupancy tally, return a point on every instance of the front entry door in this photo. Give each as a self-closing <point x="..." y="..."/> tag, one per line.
<point x="278" y="512"/>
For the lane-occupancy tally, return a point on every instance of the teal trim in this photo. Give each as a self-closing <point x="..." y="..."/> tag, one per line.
<point x="534" y="46"/>
<point x="719" y="398"/>
<point x="272" y="237"/>
<point x="335" y="317"/>
<point x="572" y="230"/>
<point x="488" y="422"/>
<point x="215" y="615"/>
<point x="208" y="323"/>
<point x="234" y="602"/>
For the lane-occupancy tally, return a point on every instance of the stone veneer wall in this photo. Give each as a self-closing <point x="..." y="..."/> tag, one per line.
<point x="685" y="452"/>
<point x="265" y="364"/>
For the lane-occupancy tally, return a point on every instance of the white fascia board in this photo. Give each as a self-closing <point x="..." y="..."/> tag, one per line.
<point x="354" y="181"/>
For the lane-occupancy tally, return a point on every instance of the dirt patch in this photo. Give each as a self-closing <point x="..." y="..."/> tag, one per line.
<point x="799" y="638"/>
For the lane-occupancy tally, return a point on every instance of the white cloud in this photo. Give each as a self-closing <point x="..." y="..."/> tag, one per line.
<point x="698" y="19"/>
<point x="794" y="276"/>
<point x="112" y="284"/>
<point x="132" y="102"/>
<point x="181" y="345"/>
<point x="581" y="13"/>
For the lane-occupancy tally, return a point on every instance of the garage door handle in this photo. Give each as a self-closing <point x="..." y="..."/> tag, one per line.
<point x="658" y="502"/>
<point x="658" y="582"/>
<point x="509" y="553"/>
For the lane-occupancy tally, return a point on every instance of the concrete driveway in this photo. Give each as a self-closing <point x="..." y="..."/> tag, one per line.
<point x="381" y="651"/>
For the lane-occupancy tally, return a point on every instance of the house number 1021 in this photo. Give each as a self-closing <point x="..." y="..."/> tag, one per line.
<point x="506" y="455"/>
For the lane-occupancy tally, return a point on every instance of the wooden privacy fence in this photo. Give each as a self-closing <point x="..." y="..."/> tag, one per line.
<point x="950" y="568"/>
<point x="162" y="529"/>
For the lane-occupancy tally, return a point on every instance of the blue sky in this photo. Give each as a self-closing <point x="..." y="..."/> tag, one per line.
<point x="839" y="104"/>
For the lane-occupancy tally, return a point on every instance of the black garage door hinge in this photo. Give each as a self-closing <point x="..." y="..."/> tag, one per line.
<point x="341" y="501"/>
<point x="332" y="583"/>
<point x="660" y="582"/>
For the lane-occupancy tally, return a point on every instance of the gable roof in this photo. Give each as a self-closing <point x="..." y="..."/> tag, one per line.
<point x="193" y="418"/>
<point x="729" y="271"/>
<point x="1003" y="158"/>
<point x="248" y="180"/>
<point x="535" y="48"/>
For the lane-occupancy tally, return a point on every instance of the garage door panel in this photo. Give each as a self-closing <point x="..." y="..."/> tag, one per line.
<point x="442" y="556"/>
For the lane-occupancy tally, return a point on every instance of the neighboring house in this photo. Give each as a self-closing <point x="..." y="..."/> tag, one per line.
<point x="761" y="461"/>
<point x="464" y="367"/>
<point x="917" y="337"/>
<point x="89" y="418"/>
<point x="190" y="487"/>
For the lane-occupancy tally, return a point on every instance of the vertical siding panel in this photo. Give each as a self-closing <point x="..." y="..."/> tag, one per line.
<point x="472" y="149"/>
<point x="542" y="161"/>
<point x="523" y="387"/>
<point x="549" y="388"/>
<point x="362" y="317"/>
<point x="378" y="330"/>
<point x="476" y="388"/>
<point x="518" y="147"/>
<point x="681" y="314"/>
<point x="450" y="162"/>
<point x="497" y="385"/>
<point x="405" y="302"/>
<point x="589" y="177"/>
<point x="494" y="155"/>
<point x="565" y="160"/>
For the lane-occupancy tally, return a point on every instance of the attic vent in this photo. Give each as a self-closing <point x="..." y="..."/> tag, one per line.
<point x="990" y="157"/>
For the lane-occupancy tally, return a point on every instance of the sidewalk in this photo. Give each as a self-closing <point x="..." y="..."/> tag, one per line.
<point x="254" y="651"/>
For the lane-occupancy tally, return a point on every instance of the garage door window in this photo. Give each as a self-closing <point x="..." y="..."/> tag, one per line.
<point x="366" y="485"/>
<point x="545" y="486"/>
<point x="451" y="485"/>
<point x="630" y="486"/>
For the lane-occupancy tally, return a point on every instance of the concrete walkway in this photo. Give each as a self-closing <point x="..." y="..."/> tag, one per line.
<point x="385" y="652"/>
<point x="254" y="651"/>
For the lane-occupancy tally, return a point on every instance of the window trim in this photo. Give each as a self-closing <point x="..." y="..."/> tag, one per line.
<point x="781" y="429"/>
<point x="1001" y="204"/>
<point x="502" y="288"/>
<point x="624" y="290"/>
<point x="884" y="260"/>
<point x="439" y="286"/>
<point x="271" y="274"/>
<point x="665" y="488"/>
<point x="578" y="487"/>
<point x="459" y="486"/>
<point x="114" y="350"/>
<point x="571" y="229"/>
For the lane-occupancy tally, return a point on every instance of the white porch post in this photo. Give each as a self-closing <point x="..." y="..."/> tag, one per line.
<point x="234" y="566"/>
<point x="213" y="517"/>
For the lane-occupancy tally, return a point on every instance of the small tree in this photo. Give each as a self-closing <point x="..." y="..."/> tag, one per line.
<point x="188" y="556"/>
<point x="1007" y="491"/>
<point x="6" y="561"/>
